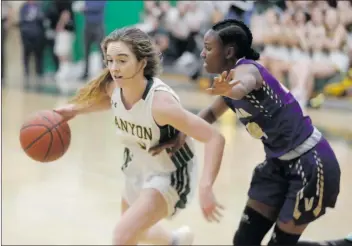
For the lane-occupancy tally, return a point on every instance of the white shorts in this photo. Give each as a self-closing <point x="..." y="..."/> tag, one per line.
<point x="299" y="55"/>
<point x="176" y="187"/>
<point x="276" y="52"/>
<point x="63" y="43"/>
<point x="340" y="60"/>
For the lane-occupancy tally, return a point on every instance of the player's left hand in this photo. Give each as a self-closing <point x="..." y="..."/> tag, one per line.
<point x="223" y="84"/>
<point x="210" y="207"/>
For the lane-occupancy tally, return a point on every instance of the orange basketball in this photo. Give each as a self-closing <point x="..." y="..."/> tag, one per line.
<point x="45" y="137"/>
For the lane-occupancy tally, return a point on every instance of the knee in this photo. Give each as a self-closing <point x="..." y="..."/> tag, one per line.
<point x="252" y="228"/>
<point x="241" y="238"/>
<point x="120" y="238"/>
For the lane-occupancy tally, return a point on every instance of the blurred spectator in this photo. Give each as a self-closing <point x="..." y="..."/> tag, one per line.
<point x="6" y="21"/>
<point x="33" y="38"/>
<point x="153" y="22"/>
<point x="50" y="23"/>
<point x="303" y="43"/>
<point x="329" y="59"/>
<point x="60" y="15"/>
<point x="183" y="22"/>
<point x="240" y="10"/>
<point x="344" y="86"/>
<point x="94" y="30"/>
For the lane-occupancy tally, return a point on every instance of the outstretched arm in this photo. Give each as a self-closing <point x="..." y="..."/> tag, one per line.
<point x="168" y="111"/>
<point x="239" y="82"/>
<point x="88" y="106"/>
<point x="214" y="111"/>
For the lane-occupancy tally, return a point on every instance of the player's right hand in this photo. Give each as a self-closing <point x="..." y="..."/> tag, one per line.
<point x="68" y="112"/>
<point x="210" y="207"/>
<point x="173" y="144"/>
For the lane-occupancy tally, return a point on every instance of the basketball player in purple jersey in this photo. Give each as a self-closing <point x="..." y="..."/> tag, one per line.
<point x="300" y="176"/>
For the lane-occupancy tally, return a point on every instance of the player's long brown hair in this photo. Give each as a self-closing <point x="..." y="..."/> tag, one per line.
<point x="143" y="48"/>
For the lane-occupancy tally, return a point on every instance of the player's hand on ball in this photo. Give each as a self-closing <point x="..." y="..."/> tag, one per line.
<point x="173" y="144"/>
<point x="210" y="207"/>
<point x="223" y="84"/>
<point x="67" y="111"/>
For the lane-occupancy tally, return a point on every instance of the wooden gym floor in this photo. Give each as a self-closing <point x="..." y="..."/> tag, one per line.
<point x="76" y="200"/>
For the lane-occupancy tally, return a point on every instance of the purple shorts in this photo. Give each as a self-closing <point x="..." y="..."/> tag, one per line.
<point x="302" y="188"/>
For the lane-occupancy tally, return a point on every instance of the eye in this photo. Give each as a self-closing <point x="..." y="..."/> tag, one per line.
<point x="108" y="61"/>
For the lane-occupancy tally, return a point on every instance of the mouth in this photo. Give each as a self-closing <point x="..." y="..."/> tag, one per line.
<point x="115" y="77"/>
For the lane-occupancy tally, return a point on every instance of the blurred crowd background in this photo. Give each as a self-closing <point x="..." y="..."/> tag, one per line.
<point x="305" y="44"/>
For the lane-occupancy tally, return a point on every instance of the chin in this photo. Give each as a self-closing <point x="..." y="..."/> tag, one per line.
<point x="211" y="71"/>
<point x="120" y="83"/>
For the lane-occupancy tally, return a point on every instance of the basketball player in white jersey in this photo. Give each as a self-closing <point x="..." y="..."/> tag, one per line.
<point x="147" y="112"/>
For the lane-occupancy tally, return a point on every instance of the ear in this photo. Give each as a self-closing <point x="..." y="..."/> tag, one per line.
<point x="144" y="63"/>
<point x="229" y="52"/>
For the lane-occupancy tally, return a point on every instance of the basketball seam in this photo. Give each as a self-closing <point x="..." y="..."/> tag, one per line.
<point x="63" y="129"/>
<point x="50" y="144"/>
<point x="58" y="133"/>
<point x="25" y="127"/>
<point x="39" y="137"/>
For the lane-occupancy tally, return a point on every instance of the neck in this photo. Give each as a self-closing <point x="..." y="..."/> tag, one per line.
<point x="133" y="93"/>
<point x="230" y="65"/>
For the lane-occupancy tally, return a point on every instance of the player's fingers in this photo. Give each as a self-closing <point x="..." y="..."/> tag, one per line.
<point x="172" y="151"/>
<point x="223" y="75"/>
<point x="234" y="83"/>
<point x="212" y="216"/>
<point x="217" y="80"/>
<point x="218" y="213"/>
<point x="160" y="147"/>
<point x="230" y="75"/>
<point x="205" y="215"/>
<point x="210" y="91"/>
<point x="156" y="151"/>
<point x="175" y="148"/>
<point x="218" y="205"/>
<point x="61" y="111"/>
<point x="66" y="115"/>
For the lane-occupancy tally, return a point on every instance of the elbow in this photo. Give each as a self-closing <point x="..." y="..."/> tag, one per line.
<point x="217" y="138"/>
<point x="241" y="90"/>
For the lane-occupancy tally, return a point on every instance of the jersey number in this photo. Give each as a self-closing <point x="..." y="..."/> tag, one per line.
<point x="127" y="156"/>
<point x="253" y="128"/>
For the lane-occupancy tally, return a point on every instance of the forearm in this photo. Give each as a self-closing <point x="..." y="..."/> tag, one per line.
<point x="212" y="159"/>
<point x="207" y="115"/>
<point x="90" y="108"/>
<point x="246" y="85"/>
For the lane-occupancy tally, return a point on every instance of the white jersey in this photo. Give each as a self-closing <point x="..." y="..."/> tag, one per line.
<point x="174" y="177"/>
<point x="137" y="131"/>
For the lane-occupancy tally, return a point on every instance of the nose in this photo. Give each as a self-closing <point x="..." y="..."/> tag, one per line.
<point x="202" y="54"/>
<point x="114" y="67"/>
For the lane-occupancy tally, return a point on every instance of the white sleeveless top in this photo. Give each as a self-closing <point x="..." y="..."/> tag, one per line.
<point x="138" y="131"/>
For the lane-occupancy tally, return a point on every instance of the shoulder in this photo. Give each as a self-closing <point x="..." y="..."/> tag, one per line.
<point x="163" y="100"/>
<point x="164" y="107"/>
<point x="248" y="68"/>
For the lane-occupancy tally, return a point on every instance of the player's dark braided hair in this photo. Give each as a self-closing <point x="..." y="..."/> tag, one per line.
<point x="235" y="32"/>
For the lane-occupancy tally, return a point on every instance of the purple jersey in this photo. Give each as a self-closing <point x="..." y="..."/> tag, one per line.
<point x="272" y="114"/>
